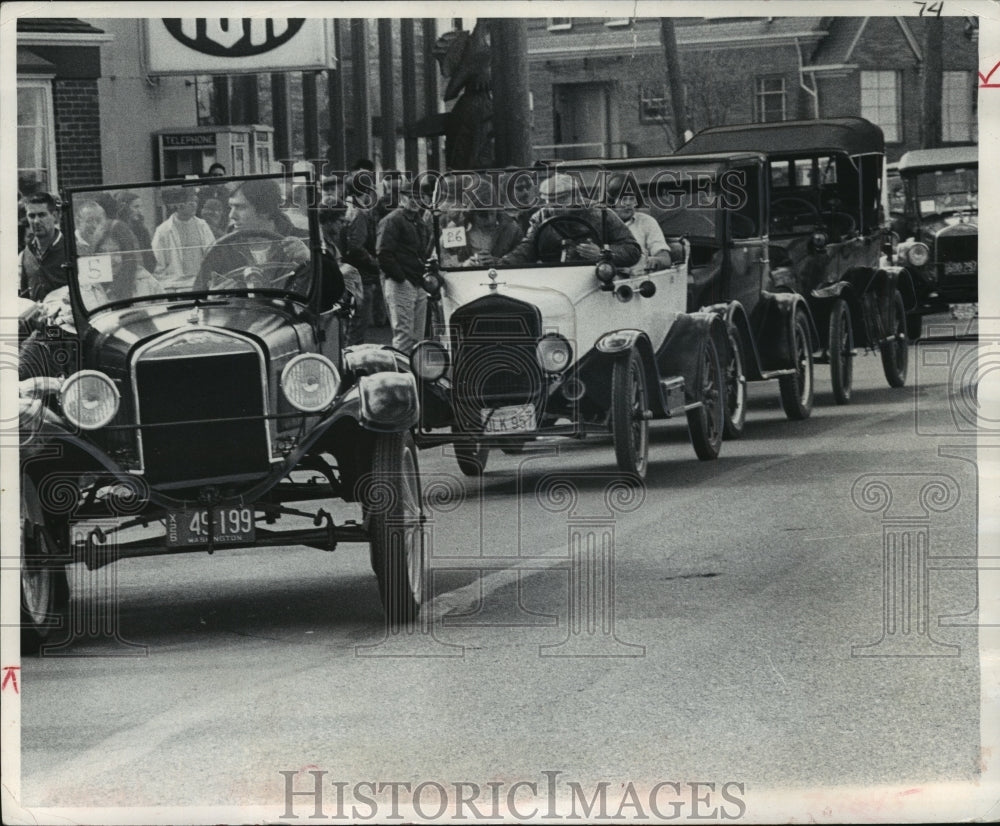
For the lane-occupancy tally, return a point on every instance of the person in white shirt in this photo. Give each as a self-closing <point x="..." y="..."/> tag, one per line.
<point x="646" y="230"/>
<point x="180" y="242"/>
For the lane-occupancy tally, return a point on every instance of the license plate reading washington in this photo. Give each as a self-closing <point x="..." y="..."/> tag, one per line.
<point x="231" y="526"/>
<point x="517" y="418"/>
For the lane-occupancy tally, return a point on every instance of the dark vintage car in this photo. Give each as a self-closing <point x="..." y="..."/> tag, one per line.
<point x="200" y="412"/>
<point x="939" y="236"/>
<point x="565" y="347"/>
<point x="827" y="236"/>
<point x="716" y="205"/>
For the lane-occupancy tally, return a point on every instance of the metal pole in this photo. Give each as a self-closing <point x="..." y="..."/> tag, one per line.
<point x="310" y="116"/>
<point x="281" y="116"/>
<point x="429" y="25"/>
<point x="361" y="100"/>
<point x="337" y="153"/>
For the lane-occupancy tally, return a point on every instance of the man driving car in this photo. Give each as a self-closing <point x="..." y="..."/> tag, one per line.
<point x="567" y="229"/>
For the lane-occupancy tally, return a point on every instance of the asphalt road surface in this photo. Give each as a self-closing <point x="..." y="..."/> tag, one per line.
<point x="726" y="631"/>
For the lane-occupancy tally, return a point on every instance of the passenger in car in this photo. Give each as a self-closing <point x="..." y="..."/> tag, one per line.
<point x="489" y="233"/>
<point x="129" y="279"/>
<point x="656" y="254"/>
<point x="587" y="231"/>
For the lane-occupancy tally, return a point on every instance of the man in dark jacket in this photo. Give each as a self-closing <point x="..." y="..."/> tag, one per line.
<point x="581" y="237"/>
<point x="403" y="244"/>
<point x="41" y="263"/>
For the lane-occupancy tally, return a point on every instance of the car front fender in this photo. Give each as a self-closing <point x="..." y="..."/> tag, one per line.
<point x="681" y="353"/>
<point x="388" y="402"/>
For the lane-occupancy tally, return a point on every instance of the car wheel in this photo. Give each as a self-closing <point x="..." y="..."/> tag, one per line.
<point x="797" y="388"/>
<point x="394" y="504"/>
<point x="736" y="389"/>
<point x="895" y="351"/>
<point x="44" y="586"/>
<point x="630" y="414"/>
<point x="841" y="345"/>
<point x="706" y="423"/>
<point x="471" y="457"/>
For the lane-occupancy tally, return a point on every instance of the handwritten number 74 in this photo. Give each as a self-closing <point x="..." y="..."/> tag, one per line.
<point x="929" y="8"/>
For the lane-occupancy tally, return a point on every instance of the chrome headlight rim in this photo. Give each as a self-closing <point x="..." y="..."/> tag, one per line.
<point x="916" y="251"/>
<point x="288" y="377"/>
<point x="419" y="363"/>
<point x="605" y="271"/>
<point x="547" y="353"/>
<point x="68" y="404"/>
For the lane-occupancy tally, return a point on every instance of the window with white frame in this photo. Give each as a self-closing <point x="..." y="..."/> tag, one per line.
<point x="880" y="102"/>
<point x="36" y="141"/>
<point x="958" y="107"/>
<point x="654" y="104"/>
<point x="770" y="97"/>
<point x="557" y="24"/>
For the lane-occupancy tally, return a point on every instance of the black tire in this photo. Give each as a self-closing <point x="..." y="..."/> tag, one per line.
<point x="44" y="586"/>
<point x="736" y="388"/>
<point x="895" y="351"/>
<point x="797" y="388"/>
<point x="914" y="326"/>
<point x="841" y="348"/>
<point x="630" y="414"/>
<point x="394" y="505"/>
<point x="706" y="423"/>
<point x="471" y="457"/>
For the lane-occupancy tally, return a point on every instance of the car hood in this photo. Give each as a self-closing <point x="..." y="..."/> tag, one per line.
<point x="555" y="291"/>
<point x="277" y="326"/>
<point x="959" y="224"/>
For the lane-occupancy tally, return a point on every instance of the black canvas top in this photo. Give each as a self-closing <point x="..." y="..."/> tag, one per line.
<point x="855" y="136"/>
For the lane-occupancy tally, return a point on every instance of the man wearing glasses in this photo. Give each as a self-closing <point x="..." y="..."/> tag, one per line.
<point x="566" y="229"/>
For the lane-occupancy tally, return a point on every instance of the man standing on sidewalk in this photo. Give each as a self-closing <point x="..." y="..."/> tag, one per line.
<point x="403" y="245"/>
<point x="44" y="254"/>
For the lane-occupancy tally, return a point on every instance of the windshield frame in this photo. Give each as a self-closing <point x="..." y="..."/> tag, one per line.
<point x="301" y="185"/>
<point x="911" y="181"/>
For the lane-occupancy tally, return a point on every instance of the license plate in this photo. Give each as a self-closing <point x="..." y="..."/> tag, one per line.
<point x="231" y="525"/>
<point x="960" y="267"/>
<point x="517" y="418"/>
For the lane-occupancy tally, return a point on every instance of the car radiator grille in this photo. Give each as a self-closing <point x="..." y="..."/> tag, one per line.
<point x="495" y="362"/>
<point x="202" y="418"/>
<point x="957" y="248"/>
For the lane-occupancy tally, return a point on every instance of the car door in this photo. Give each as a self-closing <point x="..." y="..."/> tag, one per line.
<point x="746" y="235"/>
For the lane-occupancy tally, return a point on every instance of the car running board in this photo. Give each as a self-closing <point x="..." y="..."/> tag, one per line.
<point x="774" y="374"/>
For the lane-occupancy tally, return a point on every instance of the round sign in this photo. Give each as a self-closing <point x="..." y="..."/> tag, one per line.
<point x="233" y="36"/>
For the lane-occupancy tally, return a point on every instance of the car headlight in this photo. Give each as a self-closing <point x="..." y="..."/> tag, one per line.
<point x="553" y="352"/>
<point x="429" y="360"/>
<point x="818" y="241"/>
<point x="310" y="382"/>
<point x="89" y="399"/>
<point x="918" y="254"/>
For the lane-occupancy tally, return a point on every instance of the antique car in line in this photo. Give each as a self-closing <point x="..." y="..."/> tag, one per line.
<point x="559" y="346"/>
<point x="208" y="410"/>
<point x="716" y="205"/>
<point x="827" y="236"/>
<point x="939" y="237"/>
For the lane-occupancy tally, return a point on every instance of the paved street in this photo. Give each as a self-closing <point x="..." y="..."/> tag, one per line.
<point x="722" y="639"/>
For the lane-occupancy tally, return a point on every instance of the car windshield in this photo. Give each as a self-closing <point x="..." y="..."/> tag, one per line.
<point x="190" y="237"/>
<point x="537" y="217"/>
<point x="946" y="190"/>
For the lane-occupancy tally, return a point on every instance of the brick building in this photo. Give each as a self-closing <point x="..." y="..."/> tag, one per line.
<point x="599" y="85"/>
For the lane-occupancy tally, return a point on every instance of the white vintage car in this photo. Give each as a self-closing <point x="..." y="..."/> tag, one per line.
<point x="562" y="347"/>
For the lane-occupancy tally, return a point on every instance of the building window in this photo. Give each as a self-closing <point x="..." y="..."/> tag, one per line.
<point x="36" y="140"/>
<point x="958" y="107"/>
<point x="654" y="104"/>
<point x="770" y="99"/>
<point x="880" y="102"/>
<point x="559" y="24"/>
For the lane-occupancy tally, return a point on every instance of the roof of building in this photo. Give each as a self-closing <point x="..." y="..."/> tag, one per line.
<point x="856" y="136"/>
<point x="55" y="25"/>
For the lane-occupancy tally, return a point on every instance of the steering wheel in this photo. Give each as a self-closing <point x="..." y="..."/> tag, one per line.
<point x="553" y="233"/>
<point x="793" y="211"/>
<point x="229" y="259"/>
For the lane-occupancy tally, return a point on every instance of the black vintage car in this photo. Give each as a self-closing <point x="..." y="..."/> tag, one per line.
<point x="716" y="206"/>
<point x="827" y="236"/>
<point x="939" y="236"/>
<point x="200" y="411"/>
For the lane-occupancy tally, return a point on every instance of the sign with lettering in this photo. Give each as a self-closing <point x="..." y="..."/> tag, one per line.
<point x="189" y="139"/>
<point x="230" y="45"/>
